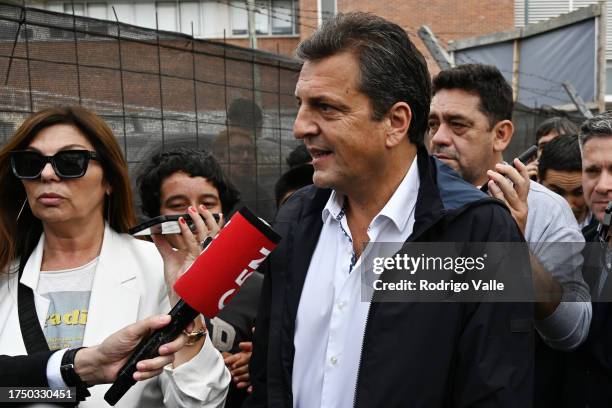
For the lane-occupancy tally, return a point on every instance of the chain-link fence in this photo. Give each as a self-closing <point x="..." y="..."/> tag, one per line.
<point x="155" y="89"/>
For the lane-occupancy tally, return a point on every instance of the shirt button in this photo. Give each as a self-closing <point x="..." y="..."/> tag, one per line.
<point x="333" y="360"/>
<point x="341" y="304"/>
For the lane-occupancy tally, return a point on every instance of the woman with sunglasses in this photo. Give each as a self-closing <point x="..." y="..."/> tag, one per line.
<point x="66" y="205"/>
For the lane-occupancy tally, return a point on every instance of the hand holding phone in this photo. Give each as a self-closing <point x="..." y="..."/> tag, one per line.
<point x="164" y="224"/>
<point x="181" y="242"/>
<point x="532" y="165"/>
<point x="528" y="154"/>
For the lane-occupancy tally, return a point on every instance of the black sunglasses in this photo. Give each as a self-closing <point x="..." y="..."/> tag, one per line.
<point x="29" y="165"/>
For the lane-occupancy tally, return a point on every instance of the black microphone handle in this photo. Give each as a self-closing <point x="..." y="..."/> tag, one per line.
<point x="182" y="314"/>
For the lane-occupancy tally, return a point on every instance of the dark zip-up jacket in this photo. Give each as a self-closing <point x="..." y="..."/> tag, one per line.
<point x="414" y="354"/>
<point x="588" y="375"/>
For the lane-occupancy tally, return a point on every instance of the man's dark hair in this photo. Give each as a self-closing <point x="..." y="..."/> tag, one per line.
<point x="195" y="163"/>
<point x="561" y="154"/>
<point x="391" y="68"/>
<point x="486" y="82"/>
<point x="293" y="179"/>
<point x="599" y="125"/>
<point x="298" y="156"/>
<point x="244" y="113"/>
<point x="562" y="126"/>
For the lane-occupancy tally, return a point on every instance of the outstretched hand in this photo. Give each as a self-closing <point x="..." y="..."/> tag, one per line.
<point x="100" y="364"/>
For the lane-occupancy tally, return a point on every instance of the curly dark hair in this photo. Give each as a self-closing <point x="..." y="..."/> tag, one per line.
<point x="196" y="163"/>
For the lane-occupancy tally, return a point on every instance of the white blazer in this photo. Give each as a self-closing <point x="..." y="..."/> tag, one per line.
<point x="128" y="286"/>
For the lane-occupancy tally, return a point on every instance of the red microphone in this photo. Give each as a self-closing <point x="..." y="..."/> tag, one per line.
<point x="206" y="287"/>
<point x="249" y="241"/>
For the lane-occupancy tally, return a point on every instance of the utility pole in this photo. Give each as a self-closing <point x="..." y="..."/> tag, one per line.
<point x="252" y="24"/>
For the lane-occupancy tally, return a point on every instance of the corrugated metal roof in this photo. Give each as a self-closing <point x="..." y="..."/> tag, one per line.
<point x="539" y="10"/>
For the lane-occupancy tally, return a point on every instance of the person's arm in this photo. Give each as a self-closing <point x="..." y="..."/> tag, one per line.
<point x="178" y="260"/>
<point x="198" y="377"/>
<point x="511" y="185"/>
<point x="568" y="325"/>
<point x="97" y="364"/>
<point x="203" y="381"/>
<point x="25" y="371"/>
<point x="563" y="311"/>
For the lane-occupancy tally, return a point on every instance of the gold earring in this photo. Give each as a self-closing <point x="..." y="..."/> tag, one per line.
<point x="22" y="207"/>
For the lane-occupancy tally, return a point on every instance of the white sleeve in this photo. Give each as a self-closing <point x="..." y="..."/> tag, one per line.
<point x="54" y="376"/>
<point x="203" y="381"/>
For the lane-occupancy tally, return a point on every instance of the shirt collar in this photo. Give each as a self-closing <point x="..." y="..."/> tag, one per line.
<point x="398" y="209"/>
<point x="334" y="207"/>
<point x="403" y="201"/>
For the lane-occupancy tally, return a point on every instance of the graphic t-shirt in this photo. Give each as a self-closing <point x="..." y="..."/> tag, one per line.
<point x="68" y="292"/>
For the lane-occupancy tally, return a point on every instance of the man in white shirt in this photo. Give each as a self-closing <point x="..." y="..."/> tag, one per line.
<point x="363" y="96"/>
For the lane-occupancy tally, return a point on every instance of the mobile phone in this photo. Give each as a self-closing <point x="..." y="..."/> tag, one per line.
<point x="164" y="224"/>
<point x="528" y="154"/>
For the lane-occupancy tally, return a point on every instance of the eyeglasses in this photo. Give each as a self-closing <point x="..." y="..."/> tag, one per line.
<point x="29" y="165"/>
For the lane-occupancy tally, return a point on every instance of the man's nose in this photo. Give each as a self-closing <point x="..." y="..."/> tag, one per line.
<point x="441" y="136"/>
<point x="604" y="184"/>
<point x="304" y="125"/>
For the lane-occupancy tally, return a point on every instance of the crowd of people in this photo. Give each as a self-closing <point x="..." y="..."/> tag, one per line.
<point x="389" y="155"/>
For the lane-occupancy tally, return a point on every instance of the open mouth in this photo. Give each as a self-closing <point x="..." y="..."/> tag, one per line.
<point x="318" y="154"/>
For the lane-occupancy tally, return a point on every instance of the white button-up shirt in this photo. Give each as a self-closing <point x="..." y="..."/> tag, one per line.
<point x="331" y="317"/>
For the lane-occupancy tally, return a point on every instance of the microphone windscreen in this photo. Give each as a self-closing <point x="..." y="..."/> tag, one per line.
<point x="233" y="255"/>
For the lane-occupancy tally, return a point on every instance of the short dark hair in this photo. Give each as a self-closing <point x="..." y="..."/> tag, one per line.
<point x="391" y="68"/>
<point x="561" y="154"/>
<point x="196" y="163"/>
<point x="244" y="113"/>
<point x="294" y="179"/>
<point x="486" y="82"/>
<point x="598" y="126"/>
<point x="562" y="126"/>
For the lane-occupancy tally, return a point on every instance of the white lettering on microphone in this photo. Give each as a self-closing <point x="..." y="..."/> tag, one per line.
<point x="244" y="275"/>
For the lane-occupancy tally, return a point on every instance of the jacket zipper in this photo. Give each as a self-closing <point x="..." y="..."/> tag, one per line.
<point x="361" y="353"/>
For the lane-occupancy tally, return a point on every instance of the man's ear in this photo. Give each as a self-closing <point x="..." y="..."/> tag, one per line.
<point x="398" y="118"/>
<point x="503" y="132"/>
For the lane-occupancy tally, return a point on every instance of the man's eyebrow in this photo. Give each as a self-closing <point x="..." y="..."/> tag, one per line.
<point x="324" y="99"/>
<point x="448" y="116"/>
<point x="592" y="166"/>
